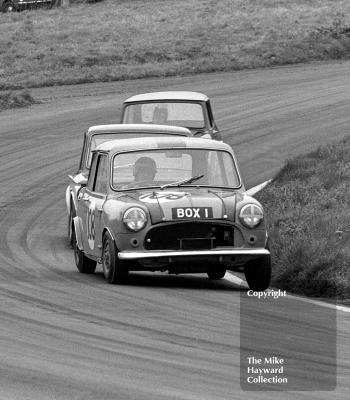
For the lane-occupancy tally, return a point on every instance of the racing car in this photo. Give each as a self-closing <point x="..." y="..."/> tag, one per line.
<point x="19" y="5"/>
<point x="175" y="204"/>
<point x="191" y="110"/>
<point x="98" y="134"/>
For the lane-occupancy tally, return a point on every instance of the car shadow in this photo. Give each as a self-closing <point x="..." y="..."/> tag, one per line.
<point x="184" y="281"/>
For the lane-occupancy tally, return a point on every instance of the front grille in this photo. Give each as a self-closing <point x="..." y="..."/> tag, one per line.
<point x="189" y="236"/>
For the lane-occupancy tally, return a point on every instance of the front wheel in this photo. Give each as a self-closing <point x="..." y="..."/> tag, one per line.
<point x="70" y="227"/>
<point x="258" y="273"/>
<point x="114" y="270"/>
<point x="84" y="264"/>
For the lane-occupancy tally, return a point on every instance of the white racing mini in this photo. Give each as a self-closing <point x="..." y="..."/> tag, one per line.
<point x="191" y="110"/>
<point x="98" y="134"/>
<point x="175" y="204"/>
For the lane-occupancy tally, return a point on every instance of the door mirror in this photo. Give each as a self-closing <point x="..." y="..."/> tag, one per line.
<point x="79" y="179"/>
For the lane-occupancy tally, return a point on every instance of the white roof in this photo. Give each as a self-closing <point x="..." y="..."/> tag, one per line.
<point x="137" y="144"/>
<point x="173" y="95"/>
<point x="140" y="128"/>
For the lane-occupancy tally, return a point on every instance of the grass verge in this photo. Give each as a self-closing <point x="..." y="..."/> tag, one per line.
<point x="308" y="206"/>
<point x="123" y="39"/>
<point x="11" y="99"/>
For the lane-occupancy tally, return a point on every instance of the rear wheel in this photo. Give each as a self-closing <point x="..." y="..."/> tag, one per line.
<point x="258" y="273"/>
<point x="216" y="273"/>
<point x="84" y="264"/>
<point x="114" y="270"/>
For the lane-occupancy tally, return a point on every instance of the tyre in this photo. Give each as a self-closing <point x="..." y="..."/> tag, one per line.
<point x="8" y="6"/>
<point x="84" y="264"/>
<point x="114" y="270"/>
<point x="70" y="227"/>
<point x="258" y="273"/>
<point x="216" y="273"/>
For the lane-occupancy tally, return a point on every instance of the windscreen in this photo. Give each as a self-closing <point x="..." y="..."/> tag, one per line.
<point x="100" y="138"/>
<point x="185" y="114"/>
<point x="155" y="168"/>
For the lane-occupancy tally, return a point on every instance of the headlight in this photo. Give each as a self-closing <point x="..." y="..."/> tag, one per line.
<point x="135" y="218"/>
<point x="251" y="215"/>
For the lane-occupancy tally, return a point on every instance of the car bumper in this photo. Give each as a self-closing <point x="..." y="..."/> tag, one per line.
<point x="162" y="254"/>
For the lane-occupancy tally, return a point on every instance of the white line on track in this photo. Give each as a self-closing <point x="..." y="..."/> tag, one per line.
<point x="252" y="191"/>
<point x="234" y="279"/>
<point x="240" y="282"/>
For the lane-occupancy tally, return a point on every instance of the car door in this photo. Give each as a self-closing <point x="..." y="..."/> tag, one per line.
<point x="94" y="198"/>
<point x="98" y="195"/>
<point x="83" y="200"/>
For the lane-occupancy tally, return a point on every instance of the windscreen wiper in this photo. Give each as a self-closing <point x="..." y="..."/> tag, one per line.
<point x="183" y="182"/>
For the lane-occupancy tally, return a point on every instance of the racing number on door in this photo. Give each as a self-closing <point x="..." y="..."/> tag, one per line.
<point x="91" y="227"/>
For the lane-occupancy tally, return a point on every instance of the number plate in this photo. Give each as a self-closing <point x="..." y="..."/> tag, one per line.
<point x="192" y="212"/>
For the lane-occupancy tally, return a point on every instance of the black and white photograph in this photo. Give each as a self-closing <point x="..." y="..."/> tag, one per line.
<point x="175" y="199"/>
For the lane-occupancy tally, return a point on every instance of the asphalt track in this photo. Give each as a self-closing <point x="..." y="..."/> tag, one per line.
<point x="64" y="335"/>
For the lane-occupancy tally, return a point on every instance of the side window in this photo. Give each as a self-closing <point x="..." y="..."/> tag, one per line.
<point x="92" y="173"/>
<point x="100" y="185"/>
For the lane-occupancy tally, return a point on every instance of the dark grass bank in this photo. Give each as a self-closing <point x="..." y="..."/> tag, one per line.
<point x="308" y="207"/>
<point x="10" y="99"/>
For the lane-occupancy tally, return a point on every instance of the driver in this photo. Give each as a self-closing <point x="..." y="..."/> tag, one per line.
<point x="144" y="170"/>
<point x="160" y="115"/>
